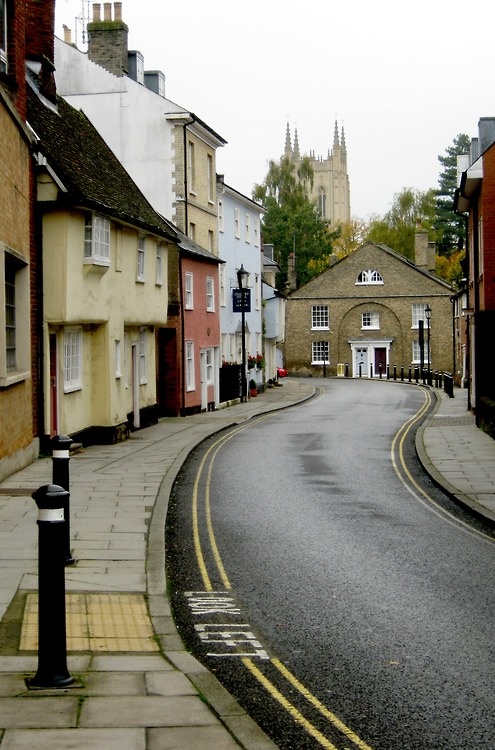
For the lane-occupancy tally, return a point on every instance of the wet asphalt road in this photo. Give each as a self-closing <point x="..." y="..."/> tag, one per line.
<point x="380" y="606"/>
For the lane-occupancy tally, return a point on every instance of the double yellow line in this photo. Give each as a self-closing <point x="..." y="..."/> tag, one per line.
<point x="273" y="691"/>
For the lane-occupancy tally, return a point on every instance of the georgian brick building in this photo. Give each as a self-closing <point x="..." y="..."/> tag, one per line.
<point x="363" y="314"/>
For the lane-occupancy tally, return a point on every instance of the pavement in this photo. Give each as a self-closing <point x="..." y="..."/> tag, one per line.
<point x="135" y="687"/>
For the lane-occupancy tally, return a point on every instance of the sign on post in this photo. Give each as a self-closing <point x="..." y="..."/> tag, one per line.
<point x="237" y="297"/>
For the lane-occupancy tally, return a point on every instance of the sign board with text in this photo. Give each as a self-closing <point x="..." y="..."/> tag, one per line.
<point x="241" y="298"/>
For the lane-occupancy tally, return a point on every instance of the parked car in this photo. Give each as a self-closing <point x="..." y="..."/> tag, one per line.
<point x="281" y="372"/>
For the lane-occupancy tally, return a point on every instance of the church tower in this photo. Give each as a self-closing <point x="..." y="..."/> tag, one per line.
<point x="331" y="182"/>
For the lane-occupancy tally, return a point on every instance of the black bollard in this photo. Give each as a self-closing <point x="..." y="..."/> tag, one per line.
<point x="60" y="445"/>
<point x="52" y="643"/>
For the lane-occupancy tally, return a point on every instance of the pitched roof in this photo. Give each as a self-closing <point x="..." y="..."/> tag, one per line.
<point x="88" y="169"/>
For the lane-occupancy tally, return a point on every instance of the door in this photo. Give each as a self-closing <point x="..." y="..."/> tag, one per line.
<point x="135" y="387"/>
<point x="361" y="363"/>
<point x="380" y="361"/>
<point x="53" y="386"/>
<point x="204" y="382"/>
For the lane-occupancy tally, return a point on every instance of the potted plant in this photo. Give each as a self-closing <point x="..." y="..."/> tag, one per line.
<point x="253" y="388"/>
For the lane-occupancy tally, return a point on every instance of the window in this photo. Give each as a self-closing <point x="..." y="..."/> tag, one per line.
<point x="223" y="299"/>
<point x="118" y="358"/>
<point x="416" y="352"/>
<point x="209" y="367"/>
<point x="142" y="357"/>
<point x="189" y="302"/>
<point x="72" y="359"/>
<point x="192" y="231"/>
<point x="319" y="353"/>
<point x="3" y="36"/>
<point x="140" y="259"/>
<point x="319" y="317"/>
<point x="247" y="225"/>
<point x="370" y="320"/>
<point x="237" y="223"/>
<point x="220" y="216"/>
<point x="211" y="242"/>
<point x="97" y="240"/>
<point x="159" y="264"/>
<point x="14" y="318"/>
<point x="369" y="277"/>
<point x="257" y="287"/>
<point x="189" y="366"/>
<point x="210" y="176"/>
<point x="256" y="232"/>
<point x="210" y="294"/>
<point x="191" y="169"/>
<point x="418" y="313"/>
<point x="322" y="204"/>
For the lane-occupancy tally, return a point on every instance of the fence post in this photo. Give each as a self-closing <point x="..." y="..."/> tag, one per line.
<point x="52" y="644"/>
<point x="60" y="445"/>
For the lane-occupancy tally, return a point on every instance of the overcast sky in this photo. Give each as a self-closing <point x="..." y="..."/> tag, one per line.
<point x="403" y="79"/>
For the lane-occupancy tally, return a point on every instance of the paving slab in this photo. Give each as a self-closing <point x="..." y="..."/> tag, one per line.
<point x="143" y="711"/>
<point x="39" y="711"/>
<point x="74" y="739"/>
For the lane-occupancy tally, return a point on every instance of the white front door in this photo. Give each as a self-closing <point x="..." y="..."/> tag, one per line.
<point x="361" y="363"/>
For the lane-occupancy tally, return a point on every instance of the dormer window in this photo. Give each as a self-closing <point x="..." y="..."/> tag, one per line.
<point x="3" y="36"/>
<point x="96" y="239"/>
<point x="369" y="277"/>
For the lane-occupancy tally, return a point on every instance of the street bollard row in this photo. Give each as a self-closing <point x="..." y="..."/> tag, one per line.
<point x="53" y="555"/>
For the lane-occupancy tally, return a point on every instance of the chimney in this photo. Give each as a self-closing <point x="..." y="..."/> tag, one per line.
<point x="107" y="39"/>
<point x="486" y="131"/>
<point x="424" y="251"/>
<point x="67" y="35"/>
<point x="291" y="272"/>
<point x="40" y="42"/>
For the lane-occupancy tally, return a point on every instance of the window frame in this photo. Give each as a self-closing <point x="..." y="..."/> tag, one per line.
<point x="143" y="361"/>
<point x="209" y="364"/>
<point x="191" y="167"/>
<point x="221" y="218"/>
<point x="374" y="321"/>
<point x="189" y="291"/>
<point x="14" y="333"/>
<point x="324" y="348"/>
<point x="73" y="359"/>
<point x="141" y="259"/>
<point x="237" y="223"/>
<point x="210" y="177"/>
<point x="189" y="366"/>
<point x="369" y="276"/>
<point x="318" y="314"/>
<point x="210" y="294"/>
<point x="97" y="238"/>
<point x="418" y="313"/>
<point x="159" y="264"/>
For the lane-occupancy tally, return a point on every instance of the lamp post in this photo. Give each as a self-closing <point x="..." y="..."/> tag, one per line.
<point x="428" y="318"/>
<point x="242" y="275"/>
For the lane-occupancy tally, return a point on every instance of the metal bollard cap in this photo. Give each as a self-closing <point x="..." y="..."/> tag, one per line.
<point x="60" y="443"/>
<point x="50" y="496"/>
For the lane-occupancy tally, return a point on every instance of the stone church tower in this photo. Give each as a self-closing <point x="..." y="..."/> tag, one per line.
<point x="331" y="181"/>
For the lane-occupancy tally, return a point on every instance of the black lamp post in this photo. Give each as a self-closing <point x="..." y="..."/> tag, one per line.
<point x="428" y="318"/>
<point x="242" y="275"/>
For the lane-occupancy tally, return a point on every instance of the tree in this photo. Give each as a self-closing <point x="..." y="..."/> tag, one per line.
<point x="291" y="222"/>
<point x="449" y="227"/>
<point x="397" y="228"/>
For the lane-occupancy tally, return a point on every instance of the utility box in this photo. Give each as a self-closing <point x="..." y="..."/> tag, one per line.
<point x="340" y="370"/>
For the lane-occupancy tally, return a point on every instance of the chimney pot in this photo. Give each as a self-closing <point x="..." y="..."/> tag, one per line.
<point x="67" y="35"/>
<point x="117" y="10"/>
<point x="96" y="12"/>
<point x="107" y="11"/>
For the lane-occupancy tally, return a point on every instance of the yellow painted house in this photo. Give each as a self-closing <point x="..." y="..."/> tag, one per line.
<point x="105" y="298"/>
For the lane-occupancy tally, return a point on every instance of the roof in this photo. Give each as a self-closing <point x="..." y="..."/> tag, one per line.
<point x="189" y="247"/>
<point x="89" y="171"/>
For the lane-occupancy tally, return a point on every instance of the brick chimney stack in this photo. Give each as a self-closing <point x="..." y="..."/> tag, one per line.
<point x="40" y="42"/>
<point x="424" y="251"/>
<point x="107" y="39"/>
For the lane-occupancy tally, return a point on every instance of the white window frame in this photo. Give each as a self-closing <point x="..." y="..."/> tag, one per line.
<point x="247" y="228"/>
<point x="223" y="291"/>
<point x="118" y="358"/>
<point x="320" y="320"/>
<point x="416" y="352"/>
<point x="320" y="350"/>
<point x="189" y="291"/>
<point x="369" y="277"/>
<point x="191" y="167"/>
<point x="370" y="320"/>
<point x="190" y="380"/>
<point x="221" y="220"/>
<point x="257" y="287"/>
<point x="237" y="223"/>
<point x="210" y="176"/>
<point x="73" y="358"/>
<point x="141" y="258"/>
<point x="210" y="294"/>
<point x="209" y="360"/>
<point x="159" y="264"/>
<point x="211" y="242"/>
<point x="3" y="37"/>
<point x="256" y="230"/>
<point x="419" y="313"/>
<point x="97" y="240"/>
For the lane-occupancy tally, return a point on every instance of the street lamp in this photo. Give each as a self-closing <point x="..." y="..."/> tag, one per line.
<point x="428" y="318"/>
<point x="242" y="275"/>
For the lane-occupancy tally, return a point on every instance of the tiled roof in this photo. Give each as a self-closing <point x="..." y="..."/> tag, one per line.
<point x="88" y="168"/>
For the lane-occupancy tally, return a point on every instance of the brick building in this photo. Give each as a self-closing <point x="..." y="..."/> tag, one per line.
<point x="367" y="311"/>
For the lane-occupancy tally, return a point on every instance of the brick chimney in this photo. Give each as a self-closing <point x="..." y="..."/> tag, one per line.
<point x="424" y="251"/>
<point x="40" y="42"/>
<point x="107" y="39"/>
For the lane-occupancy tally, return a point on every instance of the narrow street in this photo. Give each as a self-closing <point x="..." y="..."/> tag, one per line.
<point x="340" y="605"/>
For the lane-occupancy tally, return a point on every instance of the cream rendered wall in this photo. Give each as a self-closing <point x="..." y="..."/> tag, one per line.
<point x="110" y="305"/>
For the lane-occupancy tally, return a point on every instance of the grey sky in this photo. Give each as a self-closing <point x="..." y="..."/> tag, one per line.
<point x="402" y="78"/>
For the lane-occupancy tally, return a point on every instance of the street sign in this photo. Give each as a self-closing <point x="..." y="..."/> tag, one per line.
<point x="237" y="297"/>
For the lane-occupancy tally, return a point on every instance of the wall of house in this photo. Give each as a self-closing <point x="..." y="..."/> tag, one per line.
<point x="110" y="305"/>
<point x="403" y="286"/>
<point x="18" y="447"/>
